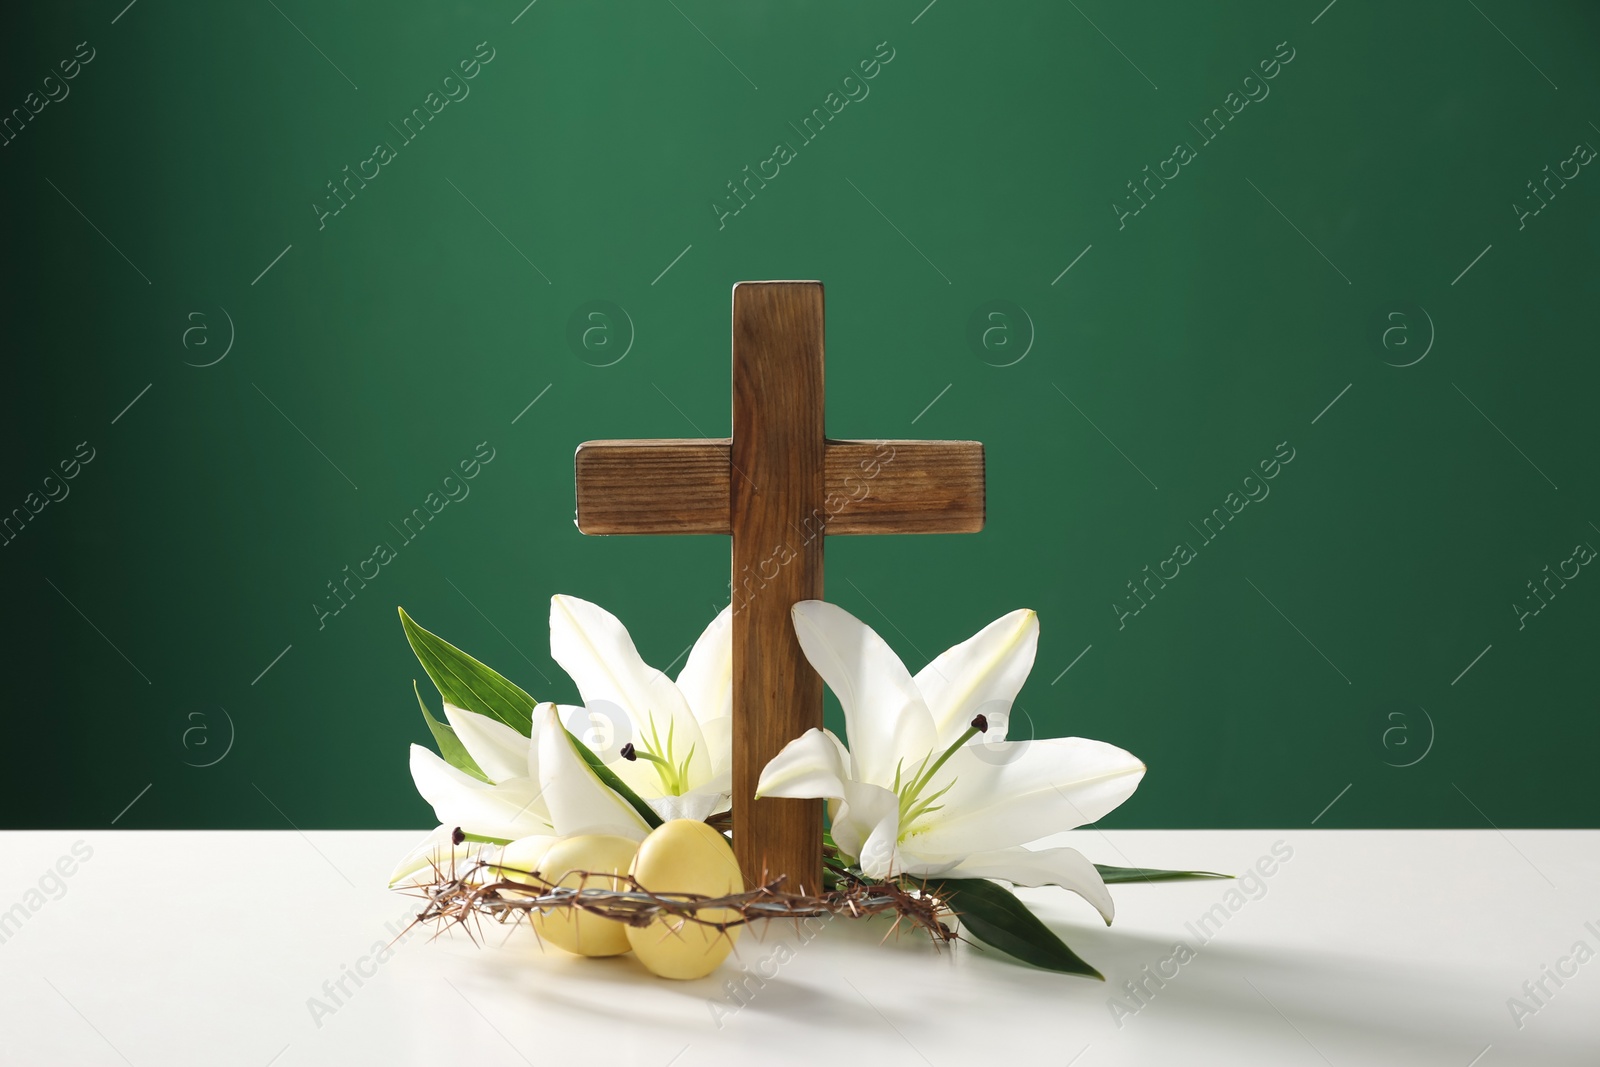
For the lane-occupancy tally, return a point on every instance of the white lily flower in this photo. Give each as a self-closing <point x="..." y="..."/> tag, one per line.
<point x="681" y="757"/>
<point x="539" y="787"/>
<point x="929" y="786"/>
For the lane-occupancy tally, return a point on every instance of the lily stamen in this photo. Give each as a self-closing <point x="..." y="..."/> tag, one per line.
<point x="980" y="725"/>
<point x="670" y="775"/>
<point x="674" y="774"/>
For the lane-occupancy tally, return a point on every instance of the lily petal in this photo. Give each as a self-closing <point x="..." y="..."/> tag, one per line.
<point x="866" y="825"/>
<point x="498" y="750"/>
<point x="436" y="850"/>
<point x="697" y="804"/>
<point x="509" y="810"/>
<point x="1065" y="867"/>
<point x="719" y="786"/>
<point x="594" y="648"/>
<point x="1015" y="792"/>
<point x="605" y="735"/>
<point x="579" y="802"/>
<point x="706" y="680"/>
<point x="885" y="716"/>
<point x="987" y="668"/>
<point x="718" y="733"/>
<point x="815" y="764"/>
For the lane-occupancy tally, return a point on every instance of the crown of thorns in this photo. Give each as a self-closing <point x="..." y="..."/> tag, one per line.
<point x="482" y="890"/>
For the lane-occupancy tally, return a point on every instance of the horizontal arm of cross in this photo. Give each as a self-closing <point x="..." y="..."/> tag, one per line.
<point x="681" y="486"/>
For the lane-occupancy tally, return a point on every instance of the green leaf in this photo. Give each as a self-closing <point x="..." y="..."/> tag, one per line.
<point x="994" y="915"/>
<point x="617" y="785"/>
<point x="450" y="746"/>
<point x="1118" y="875"/>
<point x="466" y="683"/>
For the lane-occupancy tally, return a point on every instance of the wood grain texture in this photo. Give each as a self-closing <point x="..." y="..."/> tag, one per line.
<point x="777" y="455"/>
<point x="667" y="486"/>
<point x="869" y="487"/>
<point x="879" y="487"/>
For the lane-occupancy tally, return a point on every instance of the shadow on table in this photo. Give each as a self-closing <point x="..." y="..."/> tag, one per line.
<point x="1343" y="1006"/>
<point x="1346" y="1008"/>
<point x="757" y="977"/>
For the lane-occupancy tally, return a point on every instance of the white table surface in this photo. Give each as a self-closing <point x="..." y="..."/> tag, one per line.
<point x="1366" y="947"/>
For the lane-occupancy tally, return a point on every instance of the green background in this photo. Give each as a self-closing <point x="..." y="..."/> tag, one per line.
<point x="1310" y="648"/>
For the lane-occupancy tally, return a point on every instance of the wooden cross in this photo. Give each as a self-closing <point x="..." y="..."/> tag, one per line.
<point x="777" y="486"/>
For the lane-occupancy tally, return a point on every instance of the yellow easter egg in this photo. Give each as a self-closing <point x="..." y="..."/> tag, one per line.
<point x="565" y="865"/>
<point x="685" y="856"/>
<point x="516" y="861"/>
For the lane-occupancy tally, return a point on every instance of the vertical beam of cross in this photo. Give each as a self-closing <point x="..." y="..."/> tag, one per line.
<point x="776" y="490"/>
